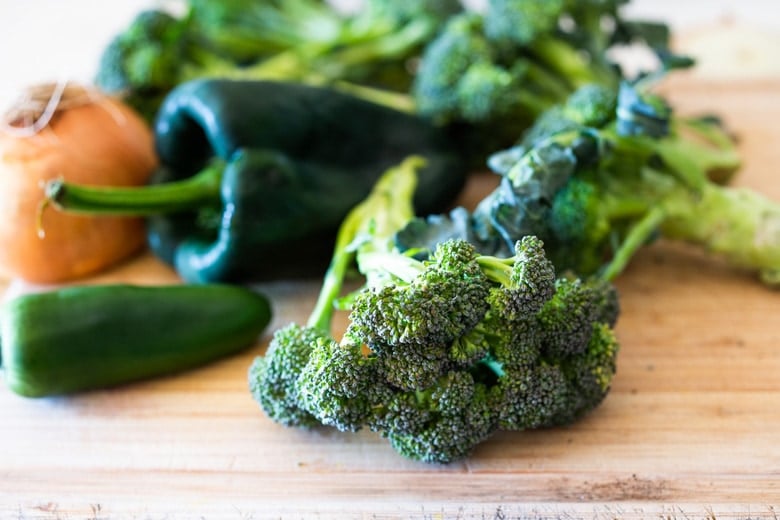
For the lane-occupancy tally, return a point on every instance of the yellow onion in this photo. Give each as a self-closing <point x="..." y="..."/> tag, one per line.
<point x="77" y="134"/>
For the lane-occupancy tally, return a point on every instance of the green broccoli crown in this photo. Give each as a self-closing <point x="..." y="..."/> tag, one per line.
<point x="144" y="55"/>
<point x="580" y="229"/>
<point x="522" y="21"/>
<point x="537" y="351"/>
<point x="520" y="367"/>
<point x="597" y="191"/>
<point x="589" y="374"/>
<point x="455" y="414"/>
<point x="445" y="61"/>
<point x="527" y="279"/>
<point x="484" y="90"/>
<point x="111" y="76"/>
<point x="566" y="321"/>
<point x="443" y="301"/>
<point x="530" y="397"/>
<point x="273" y="378"/>
<point x="340" y="385"/>
<point x="591" y="105"/>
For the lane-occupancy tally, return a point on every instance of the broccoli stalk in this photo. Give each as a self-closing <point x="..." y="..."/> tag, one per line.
<point x="440" y="352"/>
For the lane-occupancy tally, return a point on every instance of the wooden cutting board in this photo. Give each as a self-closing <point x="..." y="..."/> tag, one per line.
<point x="691" y="428"/>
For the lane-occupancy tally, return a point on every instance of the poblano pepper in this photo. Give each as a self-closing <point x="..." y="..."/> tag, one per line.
<point x="257" y="174"/>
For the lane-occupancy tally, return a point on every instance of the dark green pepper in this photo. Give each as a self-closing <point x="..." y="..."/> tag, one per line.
<point x="257" y="175"/>
<point x="87" y="337"/>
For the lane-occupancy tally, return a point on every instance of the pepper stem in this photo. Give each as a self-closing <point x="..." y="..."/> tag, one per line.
<point x="170" y="197"/>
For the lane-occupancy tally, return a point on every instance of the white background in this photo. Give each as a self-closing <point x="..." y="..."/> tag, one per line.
<point x="45" y="40"/>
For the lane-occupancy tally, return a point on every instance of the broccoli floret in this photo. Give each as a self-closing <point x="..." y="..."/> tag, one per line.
<point x="406" y="367"/>
<point x="591" y="105"/>
<point x="508" y="61"/>
<point x="446" y="61"/>
<point x="530" y="397"/>
<point x="520" y="368"/>
<point x="527" y="279"/>
<point x="446" y="346"/>
<point x="465" y="76"/>
<point x="522" y="21"/>
<point x="274" y="376"/>
<point x="588" y="375"/>
<point x="448" y="420"/>
<point x="650" y="176"/>
<point x="340" y="385"/>
<point x="143" y="62"/>
<point x="444" y="298"/>
<point x="566" y="320"/>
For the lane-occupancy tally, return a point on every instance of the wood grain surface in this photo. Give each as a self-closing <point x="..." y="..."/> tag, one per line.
<point x="691" y="428"/>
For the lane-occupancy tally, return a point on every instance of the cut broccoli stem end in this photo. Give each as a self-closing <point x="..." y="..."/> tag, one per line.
<point x="739" y="224"/>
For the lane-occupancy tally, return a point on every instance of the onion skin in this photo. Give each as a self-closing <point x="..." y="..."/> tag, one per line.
<point x="103" y="142"/>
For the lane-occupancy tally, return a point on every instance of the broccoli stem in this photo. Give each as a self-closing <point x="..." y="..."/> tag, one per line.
<point x="368" y="228"/>
<point x="391" y="45"/>
<point x="293" y="65"/>
<point x="553" y="85"/>
<point x="564" y="60"/>
<point x="405" y="268"/>
<point x="638" y="236"/>
<point x="170" y="197"/>
<point x="395" y="100"/>
<point x="333" y="281"/>
<point x="497" y="269"/>
<point x="701" y="151"/>
<point x="740" y="224"/>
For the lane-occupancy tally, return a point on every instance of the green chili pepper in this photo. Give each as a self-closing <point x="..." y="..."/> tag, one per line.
<point x="257" y="175"/>
<point x="85" y="337"/>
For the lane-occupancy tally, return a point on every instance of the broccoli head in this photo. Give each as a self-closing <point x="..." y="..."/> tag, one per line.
<point x="522" y="21"/>
<point x="446" y="346"/>
<point x="340" y="385"/>
<point x="445" y="298"/>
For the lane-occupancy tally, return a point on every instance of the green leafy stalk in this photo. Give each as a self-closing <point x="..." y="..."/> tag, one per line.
<point x="368" y="226"/>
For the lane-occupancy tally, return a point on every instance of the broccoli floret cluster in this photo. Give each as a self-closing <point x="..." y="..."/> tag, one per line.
<point x="442" y="348"/>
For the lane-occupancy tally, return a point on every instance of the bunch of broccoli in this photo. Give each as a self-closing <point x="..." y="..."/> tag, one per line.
<point x="366" y="52"/>
<point x="486" y="73"/>
<point x="493" y="72"/>
<point x="440" y="353"/>
<point x="607" y="172"/>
